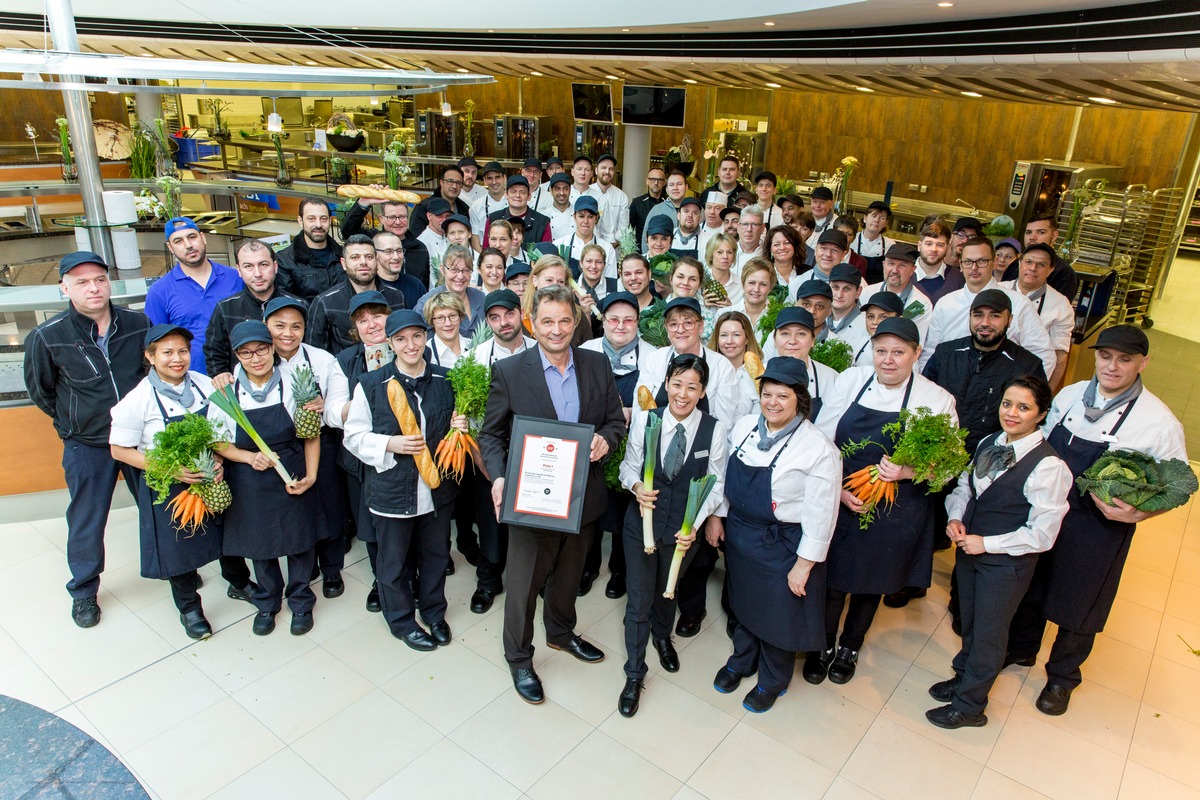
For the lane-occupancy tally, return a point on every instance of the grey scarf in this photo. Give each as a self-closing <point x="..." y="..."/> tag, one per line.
<point x="181" y="394"/>
<point x="615" y="356"/>
<point x="838" y="327"/>
<point x="260" y="395"/>
<point x="1092" y="413"/>
<point x="767" y="441"/>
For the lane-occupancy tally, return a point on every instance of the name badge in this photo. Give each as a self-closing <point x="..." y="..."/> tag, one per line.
<point x="1108" y="437"/>
<point x="700" y="454"/>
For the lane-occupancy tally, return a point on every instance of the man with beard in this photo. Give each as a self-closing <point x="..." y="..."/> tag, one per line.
<point x="965" y="229"/>
<point x="729" y="170"/>
<point x="389" y="267"/>
<point x="614" y="203"/>
<point x="471" y="191"/>
<point x="935" y="277"/>
<point x="394" y="218"/>
<point x="189" y="292"/>
<point x="450" y="186"/>
<point x="641" y="206"/>
<point x="257" y="266"/>
<point x="974" y="368"/>
<point x="899" y="265"/>
<point x="312" y="262"/>
<point x="730" y="217"/>
<point x="560" y="210"/>
<point x="685" y="240"/>
<point x="329" y="316"/>
<point x="635" y="277"/>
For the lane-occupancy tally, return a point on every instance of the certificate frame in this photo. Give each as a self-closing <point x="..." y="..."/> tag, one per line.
<point x="567" y="491"/>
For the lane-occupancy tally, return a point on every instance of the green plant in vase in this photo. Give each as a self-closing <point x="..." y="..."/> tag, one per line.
<point x="172" y="189"/>
<point x="216" y="106"/>
<point x="64" y="144"/>
<point x="164" y="162"/>
<point x="283" y="178"/>
<point x="468" y="125"/>
<point x="143" y="155"/>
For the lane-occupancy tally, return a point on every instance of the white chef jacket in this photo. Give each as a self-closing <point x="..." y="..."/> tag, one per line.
<point x="1046" y="489"/>
<point x="248" y="403"/>
<point x="870" y="248"/>
<point x="573" y="241"/>
<point x="137" y="417"/>
<point x="435" y="243"/>
<point x="822" y="225"/>
<point x="881" y="398"/>
<point x="614" y="212"/>
<point x="952" y="319"/>
<point x="470" y="196"/>
<point x="481" y="208"/>
<point x="335" y="388"/>
<point x="821" y="378"/>
<point x="722" y="383"/>
<point x="1054" y="309"/>
<point x="1150" y="428"/>
<point x="562" y="223"/>
<point x="442" y="355"/>
<point x="630" y="361"/>
<point x="806" y="484"/>
<point x="915" y="295"/>
<point x="491" y="351"/>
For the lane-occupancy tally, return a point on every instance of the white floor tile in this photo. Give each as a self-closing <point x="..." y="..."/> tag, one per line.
<point x="777" y="770"/>
<point x="1141" y="782"/>
<point x="449" y="686"/>
<point x="284" y="774"/>
<point x="447" y="772"/>
<point x="1097" y="714"/>
<point x="1167" y="744"/>
<point x="894" y="764"/>
<point x="1174" y="686"/>
<point x="624" y="772"/>
<point x="103" y="655"/>
<point x="911" y="700"/>
<point x="1077" y="769"/>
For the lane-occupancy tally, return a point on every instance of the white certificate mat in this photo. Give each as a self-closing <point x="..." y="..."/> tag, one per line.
<point x="546" y="472"/>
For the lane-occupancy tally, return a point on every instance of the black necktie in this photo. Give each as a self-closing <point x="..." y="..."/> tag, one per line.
<point x="675" y="453"/>
<point x="993" y="460"/>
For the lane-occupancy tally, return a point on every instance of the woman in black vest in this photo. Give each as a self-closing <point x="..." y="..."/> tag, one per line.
<point x="410" y="503"/>
<point x="1002" y="514"/>
<point x="691" y="444"/>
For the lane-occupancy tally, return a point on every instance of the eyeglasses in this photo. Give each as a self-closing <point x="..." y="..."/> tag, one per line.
<point x="680" y="325"/>
<point x="656" y="180"/>
<point x="750" y="224"/>
<point x="257" y="352"/>
<point x="450" y="182"/>
<point x="620" y="322"/>
<point x="391" y="251"/>
<point x="458" y="271"/>
<point x="445" y="319"/>
<point x="976" y="262"/>
<point x="394" y="217"/>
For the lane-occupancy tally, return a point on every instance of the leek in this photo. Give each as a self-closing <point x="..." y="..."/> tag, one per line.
<point x="653" y="429"/>
<point x="226" y="400"/>
<point x="698" y="492"/>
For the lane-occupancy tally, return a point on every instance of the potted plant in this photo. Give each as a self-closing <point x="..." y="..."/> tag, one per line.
<point x="341" y="132"/>
<point x="219" y="130"/>
<point x="64" y="143"/>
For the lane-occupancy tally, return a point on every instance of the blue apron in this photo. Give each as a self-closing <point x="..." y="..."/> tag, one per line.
<point x="897" y="549"/>
<point x="760" y="551"/>
<point x="1083" y="569"/>
<point x="166" y="549"/>
<point x="265" y="521"/>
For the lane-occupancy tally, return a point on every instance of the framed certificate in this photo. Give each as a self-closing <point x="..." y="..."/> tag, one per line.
<point x="547" y="474"/>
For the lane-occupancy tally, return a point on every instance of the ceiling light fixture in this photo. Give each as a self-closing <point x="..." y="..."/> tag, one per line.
<point x="945" y="5"/>
<point x="612" y="77"/>
<point x="688" y="80"/>
<point x="970" y="94"/>
<point x="624" y="30"/>
<point x="231" y="58"/>
<point x="1108" y="101"/>
<point x="769" y="24"/>
<point x="774" y="86"/>
<point x="461" y="69"/>
<point x="147" y="55"/>
<point x="446" y="110"/>
<point x="535" y="73"/>
<point x="864" y="88"/>
<point x="311" y="63"/>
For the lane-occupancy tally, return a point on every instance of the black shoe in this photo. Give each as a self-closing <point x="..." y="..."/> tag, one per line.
<point x="900" y="599"/>
<point x="470" y="553"/>
<point x="585" y="582"/>
<point x="449" y="568"/>
<point x="481" y="601"/>
<point x="816" y="666"/>
<point x="85" y="611"/>
<point x="264" y="623"/>
<point x="843" y="666"/>
<point x="333" y="587"/>
<point x="731" y="626"/>
<point x="1027" y="661"/>
<point x="373" y="600"/>
<point x="440" y="631"/>
<point x="951" y="718"/>
<point x="944" y="691"/>
<point x="586" y="652"/>
<point x="302" y="623"/>
<point x="242" y="593"/>
<point x="688" y="627"/>
<point x="419" y="640"/>
<point x="348" y="544"/>
<point x="1054" y="699"/>
<point x="942" y="543"/>
<point x="667" y="655"/>
<point x="615" y="588"/>
<point x="627" y="703"/>
<point x="760" y="700"/>
<point x="195" y="625"/>
<point x="727" y="680"/>
<point x="956" y="626"/>
<point x="528" y="686"/>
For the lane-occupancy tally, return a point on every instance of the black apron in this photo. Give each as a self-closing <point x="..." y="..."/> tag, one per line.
<point x="897" y="549"/>
<point x="168" y="550"/>
<point x="760" y="551"/>
<point x="874" y="263"/>
<point x="815" y="395"/>
<point x="1083" y="569"/>
<point x="265" y="521"/>
<point x="660" y="397"/>
<point x="627" y="383"/>
<point x="329" y="485"/>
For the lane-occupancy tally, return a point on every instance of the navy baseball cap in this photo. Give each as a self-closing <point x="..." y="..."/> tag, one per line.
<point x="72" y="260"/>
<point x="437" y="205"/>
<point x="968" y="222"/>
<point x="900" y="327"/>
<point x="994" y="299"/>
<point x="794" y="315"/>
<point x="533" y="162"/>
<point x="459" y="218"/>
<point x="833" y="236"/>
<point x="813" y="287"/>
<point x="846" y="273"/>
<point x="1040" y="247"/>
<point x="660" y="226"/>
<point x="612" y="299"/>
<point x="163" y="330"/>
<point x="607" y="157"/>
<point x="250" y="330"/>
<point x="767" y="175"/>
<point x="492" y="166"/>
<point x="516" y="269"/>
<point x="502" y="298"/>
<point x="902" y="251"/>
<point x="551" y="160"/>
<point x="587" y="203"/>
<point x="404" y="318"/>
<point x="560" y="177"/>
<point x="689" y="201"/>
<point x="690" y="303"/>
<point x="579" y="158"/>
<point x="787" y="371"/>
<point x="516" y="180"/>
<point x="467" y="161"/>
<point x="368" y="298"/>
<point x="821" y="193"/>
<point x="280" y="303"/>
<point x="888" y="301"/>
<point x="1125" y="338"/>
<point x="879" y="205"/>
<point x="176" y="224"/>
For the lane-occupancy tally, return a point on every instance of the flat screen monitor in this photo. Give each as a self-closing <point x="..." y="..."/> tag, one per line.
<point x="661" y="106"/>
<point x="592" y="101"/>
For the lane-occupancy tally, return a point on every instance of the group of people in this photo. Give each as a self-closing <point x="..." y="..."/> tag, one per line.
<point x="381" y="317"/>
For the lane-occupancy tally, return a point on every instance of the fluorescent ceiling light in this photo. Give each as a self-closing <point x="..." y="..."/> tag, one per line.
<point x="970" y="94"/>
<point x="688" y="80"/>
<point x="864" y="88"/>
<point x="1108" y="101"/>
<point x="774" y="86"/>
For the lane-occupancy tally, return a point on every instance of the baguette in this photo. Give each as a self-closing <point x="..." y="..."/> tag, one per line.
<point x="398" y="400"/>
<point x="377" y="193"/>
<point x="753" y="364"/>
<point x="645" y="399"/>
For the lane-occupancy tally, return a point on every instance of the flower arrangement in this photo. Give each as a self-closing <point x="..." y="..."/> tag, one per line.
<point x="396" y="165"/>
<point x="839" y="183"/>
<point x="216" y="106"/>
<point x="64" y="145"/>
<point x="148" y="205"/>
<point x="144" y="155"/>
<point x="468" y="124"/>
<point x="172" y="201"/>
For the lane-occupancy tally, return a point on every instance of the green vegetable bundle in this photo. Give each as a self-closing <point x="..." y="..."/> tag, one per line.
<point x="776" y="302"/>
<point x="660" y="267"/>
<point x="176" y="447"/>
<point x="612" y="466"/>
<point x="833" y="353"/>
<point x="1139" y="480"/>
<point x="652" y="325"/>
<point x="928" y="443"/>
<point x="698" y="491"/>
<point x="471" y="382"/>
<point x="226" y="400"/>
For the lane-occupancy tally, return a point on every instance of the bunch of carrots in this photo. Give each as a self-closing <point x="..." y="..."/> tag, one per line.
<point x="871" y="489"/>
<point x="471" y="382"/>
<point x="452" y="453"/>
<point x="188" y="510"/>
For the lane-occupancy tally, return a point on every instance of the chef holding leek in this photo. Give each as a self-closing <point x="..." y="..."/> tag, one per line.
<point x="398" y="415"/>
<point x="675" y="468"/>
<point x="269" y="470"/>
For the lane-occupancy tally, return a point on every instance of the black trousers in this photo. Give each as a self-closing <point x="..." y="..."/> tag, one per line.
<point x="91" y="473"/>
<point x="493" y="537"/>
<point x="235" y="571"/>
<point x="184" y="592"/>
<point x="1067" y="654"/>
<point x="540" y="559"/>
<point x="613" y="523"/>
<point x="647" y="612"/>
<point x="990" y="587"/>
<point x="467" y="508"/>
<point x="751" y="654"/>
<point x="1028" y="626"/>
<point x="412" y="548"/>
<point x="272" y="589"/>
<point x="693" y="587"/>
<point x="859" y="617"/>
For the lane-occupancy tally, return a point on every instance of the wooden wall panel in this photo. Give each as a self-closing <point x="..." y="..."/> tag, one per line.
<point x="31" y="460"/>
<point x="41" y="107"/>
<point x="1148" y="143"/>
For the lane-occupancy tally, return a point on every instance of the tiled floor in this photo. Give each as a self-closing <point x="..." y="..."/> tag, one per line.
<point x="348" y="712"/>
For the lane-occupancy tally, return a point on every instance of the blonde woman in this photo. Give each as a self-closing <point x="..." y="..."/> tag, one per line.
<point x="733" y="337"/>
<point x="457" y="267"/>
<point x="758" y="279"/>
<point x="444" y="313"/>
<point x="719" y="257"/>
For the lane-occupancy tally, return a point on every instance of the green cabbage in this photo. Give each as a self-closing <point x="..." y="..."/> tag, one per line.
<point x="1139" y="480"/>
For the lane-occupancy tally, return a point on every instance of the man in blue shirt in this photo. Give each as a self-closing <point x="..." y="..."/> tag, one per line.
<point x="188" y="293"/>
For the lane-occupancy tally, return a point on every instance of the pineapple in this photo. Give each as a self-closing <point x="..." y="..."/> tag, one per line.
<point x="215" y="495"/>
<point x="712" y="289"/>
<point x="304" y="391"/>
